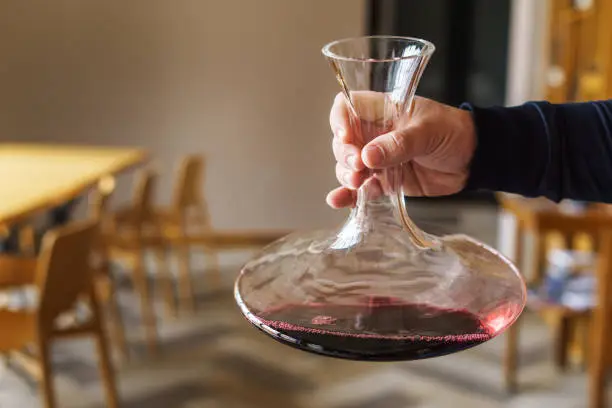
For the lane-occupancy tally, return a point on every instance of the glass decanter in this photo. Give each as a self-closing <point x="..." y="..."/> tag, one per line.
<point x="379" y="288"/>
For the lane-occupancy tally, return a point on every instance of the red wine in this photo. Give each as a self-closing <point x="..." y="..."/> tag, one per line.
<point x="370" y="332"/>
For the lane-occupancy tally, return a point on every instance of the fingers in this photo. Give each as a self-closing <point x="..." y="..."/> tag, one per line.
<point x="398" y="146"/>
<point x="347" y="155"/>
<point x="369" y="106"/>
<point x="349" y="178"/>
<point x="339" y="120"/>
<point x="341" y="197"/>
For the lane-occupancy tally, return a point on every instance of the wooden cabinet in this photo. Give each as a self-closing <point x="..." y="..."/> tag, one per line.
<point x="579" y="50"/>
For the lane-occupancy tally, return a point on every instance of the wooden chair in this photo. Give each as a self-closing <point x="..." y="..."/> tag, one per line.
<point x="596" y="337"/>
<point x="528" y="213"/>
<point x="125" y="233"/>
<point x="579" y="59"/>
<point x="600" y="357"/>
<point x="188" y="214"/>
<point x="63" y="279"/>
<point x="104" y="280"/>
<point x="24" y="238"/>
<point x="187" y="224"/>
<point x="585" y="330"/>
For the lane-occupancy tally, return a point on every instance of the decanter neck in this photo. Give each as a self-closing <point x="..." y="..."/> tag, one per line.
<point x="381" y="207"/>
<point x="372" y="213"/>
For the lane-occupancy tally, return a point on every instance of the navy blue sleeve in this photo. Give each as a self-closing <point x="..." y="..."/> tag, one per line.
<point x="559" y="151"/>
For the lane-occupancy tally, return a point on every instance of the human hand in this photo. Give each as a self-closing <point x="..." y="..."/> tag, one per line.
<point x="433" y="146"/>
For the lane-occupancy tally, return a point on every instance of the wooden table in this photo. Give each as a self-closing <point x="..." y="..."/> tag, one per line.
<point x="36" y="177"/>
<point x="540" y="217"/>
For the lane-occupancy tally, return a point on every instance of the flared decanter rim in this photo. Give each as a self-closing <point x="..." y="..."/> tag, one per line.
<point x="427" y="48"/>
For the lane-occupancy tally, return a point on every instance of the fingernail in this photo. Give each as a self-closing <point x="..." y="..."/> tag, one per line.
<point x="352" y="161"/>
<point x="374" y="154"/>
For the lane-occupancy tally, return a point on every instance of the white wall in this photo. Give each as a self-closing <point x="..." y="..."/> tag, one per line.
<point x="241" y="81"/>
<point x="527" y="51"/>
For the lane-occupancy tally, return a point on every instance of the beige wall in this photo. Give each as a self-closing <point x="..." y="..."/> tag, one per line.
<point x="241" y="81"/>
<point x="527" y="51"/>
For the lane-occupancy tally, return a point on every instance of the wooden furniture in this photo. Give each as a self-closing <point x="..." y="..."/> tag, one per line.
<point x="187" y="214"/>
<point x="186" y="224"/>
<point x="104" y="281"/>
<point x="62" y="277"/>
<point x="541" y="218"/>
<point x="142" y="226"/>
<point x="580" y="51"/>
<point x="45" y="176"/>
<point x="125" y="232"/>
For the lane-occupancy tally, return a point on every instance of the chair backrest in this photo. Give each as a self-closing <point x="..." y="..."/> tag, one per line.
<point x="144" y="194"/>
<point x="580" y="232"/>
<point x="99" y="201"/>
<point x="189" y="188"/>
<point x="64" y="271"/>
<point x="98" y="212"/>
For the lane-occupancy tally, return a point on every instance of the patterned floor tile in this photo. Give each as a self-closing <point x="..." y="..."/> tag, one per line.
<point x="260" y="375"/>
<point x="216" y="359"/>
<point x="387" y="400"/>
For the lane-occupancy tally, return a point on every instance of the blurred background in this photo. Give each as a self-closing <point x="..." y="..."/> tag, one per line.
<point x="208" y="120"/>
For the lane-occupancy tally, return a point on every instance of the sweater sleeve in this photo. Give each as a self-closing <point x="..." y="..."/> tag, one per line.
<point x="559" y="151"/>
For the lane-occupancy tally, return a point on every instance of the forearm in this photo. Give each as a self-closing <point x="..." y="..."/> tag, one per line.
<point x="542" y="149"/>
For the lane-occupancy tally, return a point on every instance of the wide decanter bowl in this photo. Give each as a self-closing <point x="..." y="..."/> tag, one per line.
<point x="373" y="295"/>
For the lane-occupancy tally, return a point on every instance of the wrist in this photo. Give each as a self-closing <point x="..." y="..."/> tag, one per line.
<point x="468" y="136"/>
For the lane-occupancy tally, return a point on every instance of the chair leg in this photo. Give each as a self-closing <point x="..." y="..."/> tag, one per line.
<point x="106" y="370"/>
<point x="187" y="299"/>
<point x="146" y="303"/>
<point x="597" y="369"/>
<point x="214" y="270"/>
<point x="47" y="385"/>
<point x="585" y="338"/>
<point x="511" y="357"/>
<point x="601" y="327"/>
<point x="116" y="329"/>
<point x="167" y="281"/>
<point x="562" y="335"/>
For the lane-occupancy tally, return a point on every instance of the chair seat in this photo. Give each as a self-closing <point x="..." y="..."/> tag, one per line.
<point x="544" y="307"/>
<point x="24" y="301"/>
<point x="22" y="326"/>
<point x="569" y="283"/>
<point x="19" y="299"/>
<point x="167" y="230"/>
<point x="16" y="271"/>
<point x="224" y="239"/>
<point x="576" y="296"/>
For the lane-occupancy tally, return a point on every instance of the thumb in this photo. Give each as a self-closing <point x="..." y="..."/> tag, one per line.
<point x="396" y="147"/>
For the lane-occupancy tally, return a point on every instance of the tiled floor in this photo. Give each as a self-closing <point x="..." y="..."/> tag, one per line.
<point x="216" y="359"/>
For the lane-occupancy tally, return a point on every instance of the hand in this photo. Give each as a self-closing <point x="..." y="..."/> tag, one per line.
<point x="434" y="147"/>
